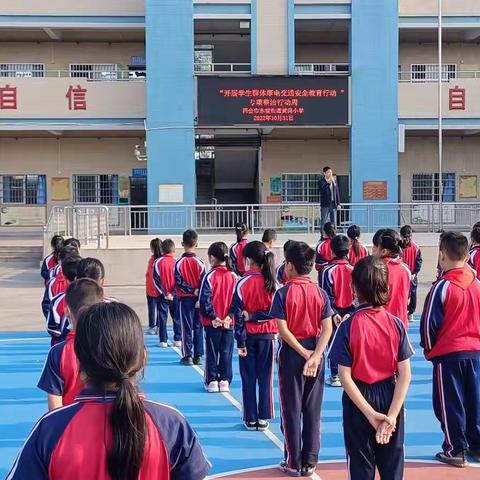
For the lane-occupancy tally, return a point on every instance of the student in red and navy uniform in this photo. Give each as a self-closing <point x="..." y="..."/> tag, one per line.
<point x="357" y="250"/>
<point x="450" y="337"/>
<point x="151" y="289"/>
<point x="280" y="275"/>
<point x="387" y="245"/>
<point x="60" y="378"/>
<point x="324" y="249"/>
<point x="50" y="261"/>
<point x="303" y="314"/>
<point x="216" y="299"/>
<point x="164" y="281"/>
<point x="111" y="432"/>
<point x="236" y="250"/>
<point x="59" y="284"/>
<point x="372" y="350"/>
<point x="474" y="252"/>
<point x="412" y="257"/>
<point x="255" y="333"/>
<point x="72" y="247"/>
<point x="189" y="270"/>
<point x="337" y="283"/>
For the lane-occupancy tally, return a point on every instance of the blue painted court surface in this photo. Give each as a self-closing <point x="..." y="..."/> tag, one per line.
<point x="215" y="417"/>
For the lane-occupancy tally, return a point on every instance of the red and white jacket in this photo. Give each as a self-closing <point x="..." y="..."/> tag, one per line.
<point x="189" y="270"/>
<point x="412" y="256"/>
<point x="236" y="256"/>
<point x="337" y="283"/>
<point x="399" y="279"/>
<point x="323" y="255"/>
<point x="164" y="275"/>
<point x="474" y="261"/>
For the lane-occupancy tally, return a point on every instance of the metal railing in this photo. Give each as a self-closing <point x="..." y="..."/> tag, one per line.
<point x="94" y="76"/>
<point x="322" y="69"/>
<point x="210" y="68"/>
<point x="419" y="77"/>
<point x="95" y="224"/>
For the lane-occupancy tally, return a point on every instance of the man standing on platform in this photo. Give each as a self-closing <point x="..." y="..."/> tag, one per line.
<point x="329" y="198"/>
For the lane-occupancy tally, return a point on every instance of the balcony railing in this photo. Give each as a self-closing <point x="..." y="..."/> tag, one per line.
<point x="213" y="68"/>
<point x="419" y="77"/>
<point x="95" y="76"/>
<point x="322" y="68"/>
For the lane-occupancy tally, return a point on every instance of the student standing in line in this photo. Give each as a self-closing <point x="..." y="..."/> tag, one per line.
<point x="387" y="246"/>
<point x="164" y="280"/>
<point x="269" y="238"/>
<point x="255" y="333"/>
<point x="304" y="318"/>
<point x="280" y="274"/>
<point x="474" y="252"/>
<point x="151" y="290"/>
<point x="60" y="378"/>
<point x="51" y="260"/>
<point x="71" y="245"/>
<point x="189" y="270"/>
<point x="324" y="252"/>
<point x="216" y="299"/>
<point x="236" y="250"/>
<point x="372" y="351"/>
<point x="111" y="431"/>
<point x="450" y="337"/>
<point x="412" y="257"/>
<point x="337" y="283"/>
<point x="357" y="250"/>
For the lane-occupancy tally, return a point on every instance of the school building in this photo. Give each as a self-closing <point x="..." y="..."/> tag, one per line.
<point x="170" y="102"/>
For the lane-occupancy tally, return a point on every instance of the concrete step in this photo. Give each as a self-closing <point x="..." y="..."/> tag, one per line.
<point x="22" y="255"/>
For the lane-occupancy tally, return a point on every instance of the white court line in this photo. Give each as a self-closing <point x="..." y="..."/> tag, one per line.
<point x="271" y="436"/>
<point x="26" y="339"/>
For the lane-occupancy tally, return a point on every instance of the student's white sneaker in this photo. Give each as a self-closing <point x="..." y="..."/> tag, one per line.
<point x="177" y="343"/>
<point x="152" y="331"/>
<point x="333" y="381"/>
<point x="224" y="386"/>
<point x="262" y="425"/>
<point x="410" y="318"/>
<point x="163" y="345"/>
<point x="212" y="387"/>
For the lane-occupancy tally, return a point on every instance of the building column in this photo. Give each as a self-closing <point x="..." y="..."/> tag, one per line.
<point x="170" y="109"/>
<point x="374" y="53"/>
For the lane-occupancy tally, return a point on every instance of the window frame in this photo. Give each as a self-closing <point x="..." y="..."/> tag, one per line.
<point x="434" y="186"/>
<point x="310" y="183"/>
<point x="26" y="195"/>
<point x="108" y="189"/>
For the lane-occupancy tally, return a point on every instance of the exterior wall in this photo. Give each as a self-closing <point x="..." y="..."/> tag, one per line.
<point x="73" y="7"/>
<point x="430" y="7"/>
<point x="465" y="55"/>
<point x="66" y="157"/>
<point x="318" y="53"/>
<point x="272" y="38"/>
<point x="302" y="156"/>
<point x="46" y="98"/>
<point x="58" y="56"/>
<point x="460" y="155"/>
<point x="419" y="100"/>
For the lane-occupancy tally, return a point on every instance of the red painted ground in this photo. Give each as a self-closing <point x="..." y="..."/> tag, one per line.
<point x="338" y="471"/>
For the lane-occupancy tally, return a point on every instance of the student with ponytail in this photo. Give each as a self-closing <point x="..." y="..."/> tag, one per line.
<point x="236" y="250"/>
<point x="387" y="246"/>
<point x="255" y="334"/>
<point x="151" y="290"/>
<point x="324" y="252"/>
<point x="216" y="297"/>
<point x="148" y="440"/>
<point x="474" y="261"/>
<point x="357" y="250"/>
<point x="51" y="261"/>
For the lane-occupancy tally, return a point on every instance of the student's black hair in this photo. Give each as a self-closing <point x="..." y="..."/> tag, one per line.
<point x="269" y="235"/>
<point x="370" y="281"/>
<point x="475" y="233"/>
<point x="301" y="256"/>
<point x="406" y="230"/>
<point x="329" y="230"/>
<point x="110" y="349"/>
<point x="353" y="233"/>
<point x="388" y="239"/>
<point x="258" y="252"/>
<point x="72" y="241"/>
<point x="91" y="268"/>
<point x="82" y="294"/>
<point x="168" y="246"/>
<point x="241" y="230"/>
<point x="190" y="238"/>
<point x="340" y="246"/>
<point x="156" y="247"/>
<point x="56" y="242"/>
<point x="326" y="169"/>
<point x="219" y="250"/>
<point x="70" y="267"/>
<point x="67" y="251"/>
<point x="454" y="245"/>
<point x="287" y="245"/>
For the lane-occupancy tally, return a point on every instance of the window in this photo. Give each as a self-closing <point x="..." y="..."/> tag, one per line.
<point x="95" y="189"/>
<point x="94" y="71"/>
<point x="23" y="189"/>
<point x="425" y="187"/>
<point x="300" y="187"/>
<point x="22" y="70"/>
<point x="429" y="72"/>
<point x="203" y="58"/>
